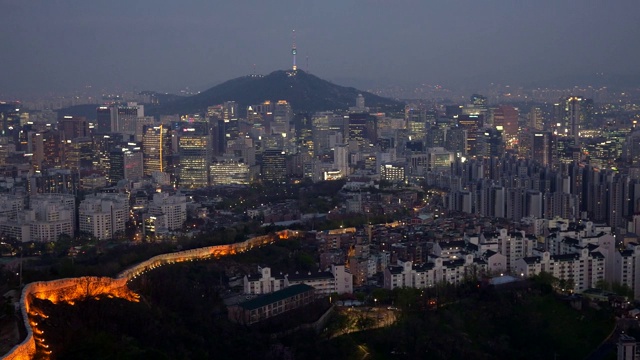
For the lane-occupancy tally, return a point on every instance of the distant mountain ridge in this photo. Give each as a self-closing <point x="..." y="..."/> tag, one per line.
<point x="305" y="92"/>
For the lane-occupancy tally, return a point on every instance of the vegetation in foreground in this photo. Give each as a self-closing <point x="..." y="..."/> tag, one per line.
<point x="181" y="316"/>
<point x="525" y="323"/>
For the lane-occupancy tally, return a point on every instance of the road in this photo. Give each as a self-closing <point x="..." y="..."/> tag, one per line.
<point x="609" y="344"/>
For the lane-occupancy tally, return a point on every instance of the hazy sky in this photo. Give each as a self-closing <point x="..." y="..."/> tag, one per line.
<point x="53" y="45"/>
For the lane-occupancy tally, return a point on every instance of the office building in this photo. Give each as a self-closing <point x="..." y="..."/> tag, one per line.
<point x="156" y="149"/>
<point x="124" y="118"/>
<point x="194" y="152"/>
<point x="126" y="162"/>
<point x="230" y="171"/>
<point x="505" y="117"/>
<point x="274" y="166"/>
<point x="72" y="127"/>
<point x="542" y="147"/>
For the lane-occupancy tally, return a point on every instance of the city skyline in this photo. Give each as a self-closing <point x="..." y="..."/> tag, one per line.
<point x="55" y="46"/>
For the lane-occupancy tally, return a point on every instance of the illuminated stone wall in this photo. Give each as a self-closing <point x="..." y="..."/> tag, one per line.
<point x="74" y="289"/>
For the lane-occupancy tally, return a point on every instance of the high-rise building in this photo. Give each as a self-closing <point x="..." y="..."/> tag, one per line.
<point x="156" y="149"/>
<point x="571" y="114"/>
<point x="472" y="124"/>
<point x="542" y="147"/>
<point x="323" y="125"/>
<point x="43" y="223"/>
<point x="536" y="119"/>
<point x="126" y="162"/>
<point x="78" y="153"/>
<point x="72" y="127"/>
<point x="58" y="181"/>
<point x="274" y="166"/>
<point x="439" y="160"/>
<point x="172" y="210"/>
<point x="9" y="116"/>
<point x="282" y="117"/>
<point x="194" y="152"/>
<point x="103" y="119"/>
<point x="103" y="217"/>
<point x="102" y="146"/>
<point x="493" y="144"/>
<point x="124" y="118"/>
<point x="362" y="128"/>
<point x="505" y="117"/>
<point x="51" y="148"/>
<point x="415" y="118"/>
<point x="230" y="171"/>
<point x="341" y="159"/>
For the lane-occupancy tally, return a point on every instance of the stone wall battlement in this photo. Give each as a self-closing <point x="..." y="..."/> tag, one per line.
<point x="74" y="289"/>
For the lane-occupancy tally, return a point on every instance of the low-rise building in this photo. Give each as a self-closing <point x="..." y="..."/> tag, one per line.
<point x="338" y="280"/>
<point x="263" y="282"/>
<point x="270" y="305"/>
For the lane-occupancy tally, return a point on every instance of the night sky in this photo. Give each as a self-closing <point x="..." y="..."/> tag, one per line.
<point x="62" y="45"/>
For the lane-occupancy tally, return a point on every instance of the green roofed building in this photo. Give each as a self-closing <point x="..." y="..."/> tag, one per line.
<point x="276" y="303"/>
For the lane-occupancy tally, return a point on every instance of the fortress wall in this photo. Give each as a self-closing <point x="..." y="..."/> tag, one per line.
<point x="73" y="289"/>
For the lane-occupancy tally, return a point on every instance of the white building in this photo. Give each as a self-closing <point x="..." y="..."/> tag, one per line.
<point x="336" y="281"/>
<point x="171" y="209"/>
<point x="263" y="282"/>
<point x="341" y="159"/>
<point x="431" y="273"/>
<point x="103" y="216"/>
<point x="584" y="268"/>
<point x="513" y="246"/>
<point x="49" y="216"/>
<point x="10" y="205"/>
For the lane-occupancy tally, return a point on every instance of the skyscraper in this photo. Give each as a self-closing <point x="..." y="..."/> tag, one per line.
<point x="536" y="120"/>
<point x="124" y="118"/>
<point x="282" y="116"/>
<point x="415" y="119"/>
<point x="274" y="168"/>
<point x="194" y="150"/>
<point x="72" y="127"/>
<point x="506" y="117"/>
<point x="156" y="148"/>
<point x="542" y="147"/>
<point x="472" y="124"/>
<point x="362" y="128"/>
<point x="103" y="119"/>
<point x="9" y="116"/>
<point x="126" y="162"/>
<point x="571" y="114"/>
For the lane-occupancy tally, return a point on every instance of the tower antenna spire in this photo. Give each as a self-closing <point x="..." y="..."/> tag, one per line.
<point x="294" y="51"/>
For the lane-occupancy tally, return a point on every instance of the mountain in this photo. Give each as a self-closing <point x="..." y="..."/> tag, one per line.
<point x="305" y="92"/>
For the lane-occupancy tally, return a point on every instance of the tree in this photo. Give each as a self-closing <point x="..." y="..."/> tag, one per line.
<point x="622" y="289"/>
<point x="603" y="285"/>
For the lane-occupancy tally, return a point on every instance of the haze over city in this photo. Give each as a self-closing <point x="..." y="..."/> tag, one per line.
<point x="57" y="46"/>
<point x="319" y="180"/>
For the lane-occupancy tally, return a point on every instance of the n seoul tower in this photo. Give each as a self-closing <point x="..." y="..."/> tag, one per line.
<point x="294" y="51"/>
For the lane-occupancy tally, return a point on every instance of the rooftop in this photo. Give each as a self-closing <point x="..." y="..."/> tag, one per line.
<point x="275" y="296"/>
